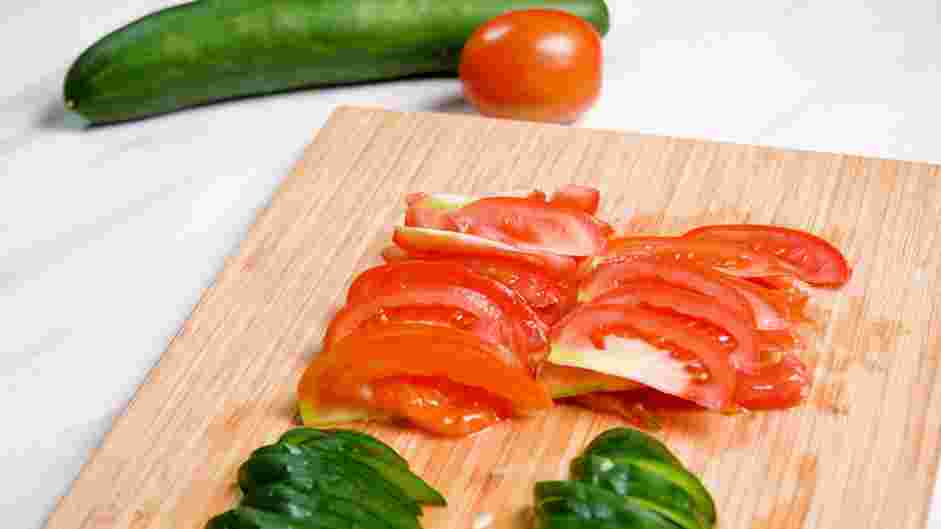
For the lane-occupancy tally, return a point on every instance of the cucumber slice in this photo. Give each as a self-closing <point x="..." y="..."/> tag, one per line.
<point x="285" y="499"/>
<point x="667" y="485"/>
<point x="310" y="471"/>
<point x="593" y="504"/>
<point x="349" y="441"/>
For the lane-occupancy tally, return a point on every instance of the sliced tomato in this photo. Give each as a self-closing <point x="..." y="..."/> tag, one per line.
<point x="431" y="211"/>
<point x="501" y="315"/>
<point x="566" y="381"/>
<point x="620" y="404"/>
<point x="655" y="348"/>
<point x="729" y="257"/>
<point x="611" y="275"/>
<point x="441" y="243"/>
<point x="815" y="260"/>
<point x="664" y="296"/>
<point x="540" y="289"/>
<point x="532" y="225"/>
<point x="573" y="196"/>
<point x="394" y="254"/>
<point x="784" y="384"/>
<point x="344" y="376"/>
<point x="439" y="405"/>
<point x="773" y="309"/>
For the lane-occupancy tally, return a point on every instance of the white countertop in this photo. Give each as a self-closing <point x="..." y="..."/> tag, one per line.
<point x="108" y="236"/>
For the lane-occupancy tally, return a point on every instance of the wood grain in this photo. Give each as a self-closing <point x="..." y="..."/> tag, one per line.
<point x="862" y="453"/>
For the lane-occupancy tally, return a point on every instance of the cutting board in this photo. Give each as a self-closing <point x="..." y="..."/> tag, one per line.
<point x="862" y="452"/>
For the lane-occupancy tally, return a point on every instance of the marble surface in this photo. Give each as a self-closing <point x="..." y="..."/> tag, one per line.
<point x="109" y="235"/>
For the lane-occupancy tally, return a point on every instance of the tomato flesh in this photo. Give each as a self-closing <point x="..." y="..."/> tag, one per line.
<point x="532" y="225"/>
<point x="439" y="405"/>
<point x="654" y="348"/>
<point x="784" y="384"/>
<point x="573" y="196"/>
<point x="501" y="315"/>
<point x="727" y="256"/>
<point x="536" y="64"/>
<point x="443" y="243"/>
<point x="815" y="260"/>
<point x="614" y="274"/>
<point x="345" y="374"/>
<point x="737" y="333"/>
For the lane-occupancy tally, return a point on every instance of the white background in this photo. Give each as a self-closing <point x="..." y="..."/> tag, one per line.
<point x="108" y="236"/>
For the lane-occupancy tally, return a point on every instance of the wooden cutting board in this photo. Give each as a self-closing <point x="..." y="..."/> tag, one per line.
<point x="862" y="453"/>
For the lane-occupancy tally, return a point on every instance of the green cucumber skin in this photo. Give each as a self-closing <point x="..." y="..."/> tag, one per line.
<point x="655" y="481"/>
<point x="211" y="50"/>
<point x="281" y="498"/>
<point x="578" y="500"/>
<point x="349" y="441"/>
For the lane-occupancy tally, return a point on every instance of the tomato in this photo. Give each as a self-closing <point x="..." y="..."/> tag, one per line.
<point x="815" y="260"/>
<point x="394" y="254"/>
<point x="345" y="375"/>
<point x="499" y="315"/>
<point x="781" y="385"/>
<point x="727" y="256"/>
<point x="773" y="309"/>
<point x="577" y="197"/>
<point x="735" y="332"/>
<point x="531" y="224"/>
<point x="567" y="381"/>
<point x="549" y="296"/>
<point x="656" y="348"/>
<point x="611" y="275"/>
<point x="439" y="243"/>
<point x="439" y="405"/>
<point x="537" y="64"/>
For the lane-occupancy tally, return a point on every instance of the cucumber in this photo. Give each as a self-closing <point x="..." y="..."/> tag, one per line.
<point x="349" y="441"/>
<point x="595" y="505"/>
<point x="311" y="472"/>
<point x="619" y="441"/>
<point x="211" y="50"/>
<point x="655" y="481"/>
<point x="409" y="485"/>
<point x="284" y="499"/>
<point x="250" y="518"/>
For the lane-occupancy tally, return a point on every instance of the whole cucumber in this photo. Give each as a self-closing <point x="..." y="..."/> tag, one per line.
<point x="210" y="50"/>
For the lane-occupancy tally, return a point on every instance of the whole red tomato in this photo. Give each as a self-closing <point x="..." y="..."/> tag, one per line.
<point x="537" y="64"/>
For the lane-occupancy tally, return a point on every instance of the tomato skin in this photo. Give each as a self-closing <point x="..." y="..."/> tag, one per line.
<point x="531" y="224"/>
<point x="614" y="274"/>
<point x="536" y="64"/>
<point x="345" y="374"/>
<point x="439" y="405"/>
<point x="663" y="296"/>
<point x="583" y="331"/>
<point x="443" y="243"/>
<point x="815" y="260"/>
<point x="729" y="257"/>
<point x="503" y="316"/>
<point x="578" y="197"/>
<point x="777" y="386"/>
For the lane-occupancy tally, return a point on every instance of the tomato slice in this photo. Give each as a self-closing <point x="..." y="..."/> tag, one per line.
<point x="567" y="381"/>
<point x="394" y="254"/>
<point x="439" y="405"/>
<point x="664" y="296"/>
<point x="727" y="256"/>
<point x="655" y="348"/>
<point x="611" y="275"/>
<point x="440" y="243"/>
<point x="531" y="224"/>
<point x="773" y="309"/>
<point x="781" y="385"/>
<point x="502" y="316"/>
<point x="815" y="260"/>
<point x="582" y="198"/>
<point x="345" y="375"/>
